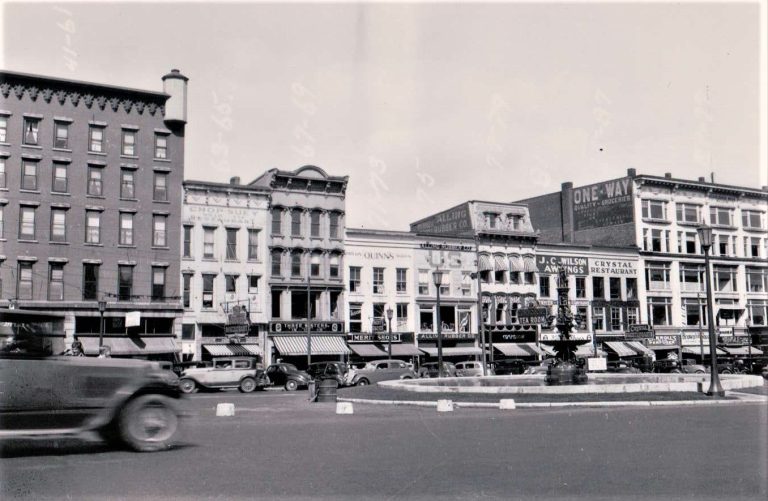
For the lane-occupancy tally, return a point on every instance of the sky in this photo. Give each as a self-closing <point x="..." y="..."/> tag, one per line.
<point x="426" y="105"/>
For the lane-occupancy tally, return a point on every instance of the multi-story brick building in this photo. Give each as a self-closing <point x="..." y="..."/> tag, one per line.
<point x="90" y="206"/>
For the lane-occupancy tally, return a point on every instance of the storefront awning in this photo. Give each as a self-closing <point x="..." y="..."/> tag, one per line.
<point x="365" y="350"/>
<point x="585" y="350"/>
<point x="500" y="263"/>
<point x="516" y="263"/>
<point x="484" y="263"/>
<point x="518" y="349"/>
<point x="321" y="345"/>
<point x="548" y="350"/>
<point x="131" y="346"/>
<point x="696" y="350"/>
<point x="405" y="350"/>
<point x="228" y="350"/>
<point x="742" y="350"/>
<point x="530" y="264"/>
<point x="640" y="347"/>
<point x="452" y="351"/>
<point x="620" y="348"/>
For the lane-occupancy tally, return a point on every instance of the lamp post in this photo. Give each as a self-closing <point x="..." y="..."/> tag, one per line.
<point x="102" y="309"/>
<point x="480" y="322"/>
<point x="437" y="279"/>
<point x="390" y="313"/>
<point x="715" y="389"/>
<point x="313" y="260"/>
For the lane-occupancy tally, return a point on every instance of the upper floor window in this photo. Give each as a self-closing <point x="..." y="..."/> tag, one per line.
<point x="354" y="278"/>
<point x="277" y="221"/>
<point x="276" y="263"/>
<point x="231" y="243"/>
<point x="721" y="216"/>
<point x="3" y="129"/>
<point x="124" y="282"/>
<point x="2" y="223"/>
<point x="24" y="283"/>
<point x="614" y="287"/>
<point x="296" y="222"/>
<point x="92" y="227"/>
<point x="581" y="287"/>
<point x="757" y="279"/>
<point x="295" y="264"/>
<point x="490" y="219"/>
<point x="126" y="228"/>
<point x="334" y="225"/>
<point x="59" y="184"/>
<point x="208" y="236"/>
<point x="401" y="282"/>
<point x="315" y="223"/>
<point x="208" y="280"/>
<point x="660" y="311"/>
<point x="186" y="290"/>
<point x="333" y="269"/>
<point x="752" y="219"/>
<point x="90" y="282"/>
<point x="424" y="282"/>
<point x="654" y="209"/>
<point x="129" y="143"/>
<point x="378" y="280"/>
<point x="691" y="278"/>
<point x="687" y="213"/>
<point x="598" y="288"/>
<point x="752" y="246"/>
<point x="31" y="131"/>
<point x="657" y="276"/>
<point x="61" y="135"/>
<point x="96" y="139"/>
<point x="725" y="245"/>
<point x="95" y="181"/>
<point x="161" y="146"/>
<point x="314" y="265"/>
<point x="631" y="288"/>
<point x="58" y="225"/>
<point x="544" y="286"/>
<point x="159" y="233"/>
<point x="686" y="242"/>
<point x="28" y="175"/>
<point x="187" y="244"/>
<point x="127" y="183"/>
<point x="253" y="245"/>
<point x="3" y="182"/>
<point x="158" y="283"/>
<point x="725" y="278"/>
<point x="27" y="223"/>
<point x="160" y="189"/>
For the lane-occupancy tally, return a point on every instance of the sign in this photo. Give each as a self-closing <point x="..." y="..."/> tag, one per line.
<point x="603" y="204"/>
<point x="597" y="364"/>
<point x="571" y="265"/>
<point x="735" y="340"/>
<point x="725" y="331"/>
<point x="455" y="221"/>
<point x="300" y="326"/>
<point x="379" y="325"/>
<point x="612" y="267"/>
<point x="366" y="337"/>
<point x="666" y="340"/>
<point x="694" y="339"/>
<point x="132" y="318"/>
<point x="513" y="337"/>
<point x="446" y="246"/>
<point x="639" y="331"/>
<point x="532" y="316"/>
<point x="237" y="321"/>
<point x="446" y="335"/>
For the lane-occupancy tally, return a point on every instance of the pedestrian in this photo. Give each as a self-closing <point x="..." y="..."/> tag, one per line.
<point x="77" y="348"/>
<point x="105" y="352"/>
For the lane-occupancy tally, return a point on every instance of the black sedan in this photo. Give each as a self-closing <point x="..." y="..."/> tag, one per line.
<point x="288" y="376"/>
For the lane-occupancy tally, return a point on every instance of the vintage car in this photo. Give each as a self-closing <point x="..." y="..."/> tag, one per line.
<point x="686" y="366"/>
<point x="288" y="376"/>
<point x="470" y="369"/>
<point x="328" y="370"/>
<point x="382" y="370"/>
<point x="243" y="373"/>
<point x="429" y="370"/>
<point x="132" y="402"/>
<point x="509" y="366"/>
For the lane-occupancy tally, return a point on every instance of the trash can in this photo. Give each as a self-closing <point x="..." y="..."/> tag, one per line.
<point x="326" y="390"/>
<point x="311" y="388"/>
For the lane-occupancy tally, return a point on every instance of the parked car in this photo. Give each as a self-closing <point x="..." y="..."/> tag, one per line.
<point x="686" y="366"/>
<point x="382" y="370"/>
<point x="328" y="370"/>
<point x="244" y="373"/>
<point x="429" y="369"/>
<point x="470" y="369"/>
<point x="288" y="376"/>
<point x="128" y="401"/>
<point x="765" y="372"/>
<point x="622" y="367"/>
<point x="509" y="366"/>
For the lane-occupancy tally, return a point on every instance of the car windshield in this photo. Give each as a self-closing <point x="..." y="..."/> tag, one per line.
<point x="289" y="367"/>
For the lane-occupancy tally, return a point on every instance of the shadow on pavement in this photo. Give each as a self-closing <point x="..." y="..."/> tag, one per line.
<point x="16" y="448"/>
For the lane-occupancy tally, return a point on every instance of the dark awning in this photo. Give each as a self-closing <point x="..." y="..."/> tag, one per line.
<point x="131" y="346"/>
<point x="19" y="316"/>
<point x="367" y="350"/>
<point x="405" y="350"/>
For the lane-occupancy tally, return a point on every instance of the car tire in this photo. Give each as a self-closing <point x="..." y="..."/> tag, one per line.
<point x="406" y="377"/>
<point x="726" y="371"/>
<point x="187" y="386"/>
<point x="675" y="371"/>
<point x="363" y="382"/>
<point x="148" y="423"/>
<point x="291" y="385"/>
<point x="247" y="385"/>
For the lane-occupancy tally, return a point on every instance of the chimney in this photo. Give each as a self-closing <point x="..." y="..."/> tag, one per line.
<point x="668" y="175"/>
<point x="175" y="85"/>
<point x="632" y="172"/>
<point x="702" y="179"/>
<point x="234" y="180"/>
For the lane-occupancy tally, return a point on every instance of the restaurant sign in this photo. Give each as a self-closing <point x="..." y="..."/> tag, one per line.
<point x="376" y="337"/>
<point x="533" y="316"/>
<point x="571" y="265"/>
<point x="455" y="221"/>
<point x="300" y="326"/>
<point x="612" y="267"/>
<point x="603" y="204"/>
<point x="237" y="321"/>
<point x="640" y="331"/>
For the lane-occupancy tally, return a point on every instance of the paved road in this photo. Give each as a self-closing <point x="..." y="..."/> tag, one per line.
<point x="280" y="446"/>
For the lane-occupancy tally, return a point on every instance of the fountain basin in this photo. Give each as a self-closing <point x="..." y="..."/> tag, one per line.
<point x="597" y="383"/>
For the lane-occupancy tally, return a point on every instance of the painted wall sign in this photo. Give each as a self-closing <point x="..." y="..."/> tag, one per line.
<point x="220" y="215"/>
<point x="571" y="265"/>
<point x="456" y="221"/>
<point x="612" y="267"/>
<point x="603" y="204"/>
<point x="377" y="255"/>
<point x="300" y="326"/>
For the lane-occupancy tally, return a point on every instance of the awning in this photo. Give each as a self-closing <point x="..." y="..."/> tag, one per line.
<point x="484" y="263"/>
<point x="364" y="350"/>
<point x="742" y="350"/>
<point x="228" y="350"/>
<point x="518" y="349"/>
<point x="640" y="347"/>
<point x="529" y="263"/>
<point x="662" y="347"/>
<point x="405" y="350"/>
<point x="585" y="350"/>
<point x="500" y="263"/>
<point x="130" y="346"/>
<point x="321" y="345"/>
<point x="620" y="348"/>
<point x="17" y="316"/>
<point x="696" y="350"/>
<point x="516" y="263"/>
<point x="548" y="350"/>
<point x="452" y="351"/>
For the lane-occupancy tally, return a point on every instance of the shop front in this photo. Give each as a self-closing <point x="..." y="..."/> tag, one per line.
<point x="289" y="342"/>
<point x="457" y="346"/>
<point x="516" y="341"/>
<point x="371" y="346"/>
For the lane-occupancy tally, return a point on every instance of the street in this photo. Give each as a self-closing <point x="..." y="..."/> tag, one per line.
<point x="279" y="445"/>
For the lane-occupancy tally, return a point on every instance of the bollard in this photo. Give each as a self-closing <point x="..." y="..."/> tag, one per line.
<point x="445" y="406"/>
<point x="506" y="404"/>
<point x="312" y="390"/>
<point x="225" y="410"/>
<point x="344" y="408"/>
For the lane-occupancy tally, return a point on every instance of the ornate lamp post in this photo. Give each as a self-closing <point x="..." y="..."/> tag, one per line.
<point x="715" y="389"/>
<point x="437" y="279"/>
<point x="390" y="313"/>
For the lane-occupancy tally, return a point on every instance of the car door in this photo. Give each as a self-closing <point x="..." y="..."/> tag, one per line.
<point x="222" y="372"/>
<point x="274" y="374"/>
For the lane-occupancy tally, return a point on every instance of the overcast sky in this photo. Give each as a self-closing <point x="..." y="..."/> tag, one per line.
<point x="427" y="105"/>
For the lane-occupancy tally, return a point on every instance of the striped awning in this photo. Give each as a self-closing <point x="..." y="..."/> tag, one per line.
<point x="620" y="348"/>
<point x="517" y="349"/>
<point x="130" y="346"/>
<point x="585" y="350"/>
<point x="529" y="263"/>
<point x="696" y="350"/>
<point x="548" y="350"/>
<point x="366" y="350"/>
<point x="228" y="350"/>
<point x="640" y="347"/>
<point x="405" y="350"/>
<point x="484" y="263"/>
<point x="321" y="345"/>
<point x="452" y="351"/>
<point x="516" y="263"/>
<point x="501" y="263"/>
<point x="742" y="350"/>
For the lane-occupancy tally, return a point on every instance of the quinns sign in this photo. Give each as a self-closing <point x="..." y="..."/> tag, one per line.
<point x="603" y="204"/>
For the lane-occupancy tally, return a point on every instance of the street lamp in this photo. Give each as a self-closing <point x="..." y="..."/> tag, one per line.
<point x="102" y="309"/>
<point x="389" y="337"/>
<point x="313" y="261"/>
<point x="715" y="389"/>
<point x="480" y="322"/>
<point x="437" y="279"/>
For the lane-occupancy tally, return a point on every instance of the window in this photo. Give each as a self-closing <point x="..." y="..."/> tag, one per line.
<point x="466" y="284"/>
<point x="355" y="317"/>
<point x="24" y="282"/>
<point x="614" y="287"/>
<point x="276" y="263"/>
<point x="598" y="288"/>
<point x="158" y="283"/>
<point x="691" y="278"/>
<point x="424" y="282"/>
<point x="334" y="266"/>
<point x="314" y="264"/>
<point x="129" y="143"/>
<point x="31" y="129"/>
<point x="59" y="184"/>
<point x="725" y="278"/>
<point x="90" y="282"/>
<point x="315" y="223"/>
<point x="56" y="282"/>
<point x="253" y="245"/>
<point x="632" y="317"/>
<point x="631" y="288"/>
<point x="501" y="307"/>
<point x="378" y="280"/>
<point x="757" y="279"/>
<point x="253" y="284"/>
<point x="529" y="278"/>
<point x="354" y="278"/>
<point x="126" y="228"/>
<point x="757" y="309"/>
<point x="187" y="290"/>
<point x="445" y="283"/>
<point x="158" y="231"/>
<point x="694" y="312"/>
<point x="723" y="245"/>
<point x="231" y="243"/>
<point x="27" y="223"/>
<point x="720" y="216"/>
<point x="295" y="264"/>
<point x="334" y="225"/>
<point x="208" y="236"/>
<point x="124" y="282"/>
<point x="96" y="139"/>
<point x="296" y="222"/>
<point x="160" y="188"/>
<point x="659" y="310"/>
<point x="378" y="315"/>
<point x="188" y="332"/>
<point x="656" y="240"/>
<point x="544" y="286"/>
<point x="2" y="224"/>
<point x="127" y="184"/>
<point x="426" y="321"/>
<point x="686" y="242"/>
<point x="61" y="135"/>
<point x="230" y="284"/>
<point x="615" y="318"/>
<point x="514" y="277"/>
<point x="95" y="181"/>
<point x="161" y="146"/>
<point x="687" y="213"/>
<point x="58" y="225"/>
<point x="208" y="290"/>
<point x="276" y="221"/>
<point x="490" y="219"/>
<point x="28" y="175"/>
<point x="581" y="286"/>
<point x="401" y="284"/>
<point x="401" y="313"/>
<point x="752" y="219"/>
<point x="751" y="247"/>
<point x="3" y="181"/>
<point x="657" y="276"/>
<point x="187" y="247"/>
<point x="3" y="129"/>
<point x="654" y="209"/>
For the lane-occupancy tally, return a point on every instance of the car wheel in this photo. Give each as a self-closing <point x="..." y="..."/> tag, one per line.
<point x="363" y="382"/>
<point x="676" y="371"/>
<point x="291" y="385"/>
<point x="187" y="386"/>
<point x="148" y="423"/>
<point x="247" y="385"/>
<point x="406" y="377"/>
<point x="726" y="371"/>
